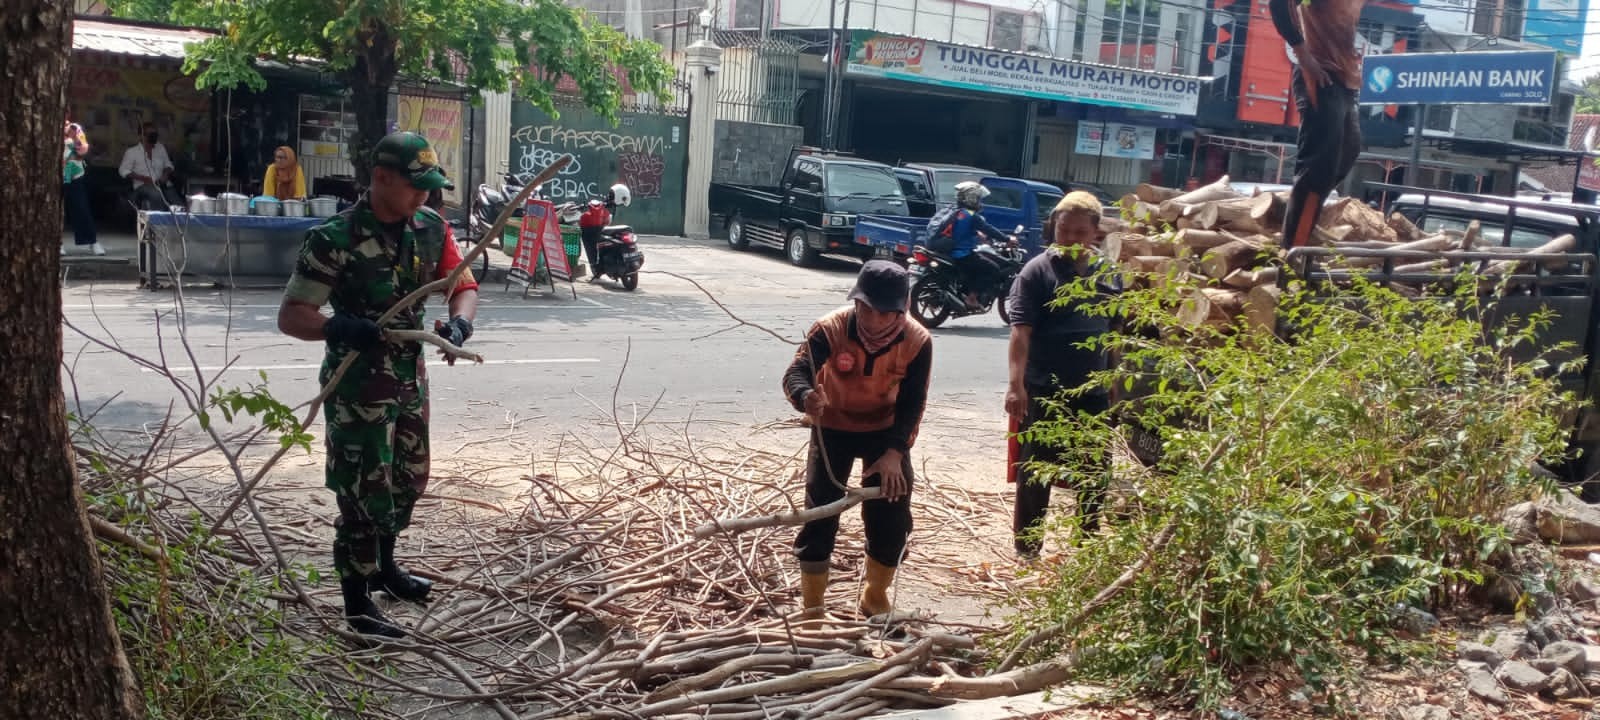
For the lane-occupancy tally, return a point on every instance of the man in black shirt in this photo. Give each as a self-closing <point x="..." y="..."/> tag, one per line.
<point x="1047" y="357"/>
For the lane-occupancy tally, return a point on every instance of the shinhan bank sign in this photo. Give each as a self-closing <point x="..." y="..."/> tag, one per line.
<point x="1465" y="78"/>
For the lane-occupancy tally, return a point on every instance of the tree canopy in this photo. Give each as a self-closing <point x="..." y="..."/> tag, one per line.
<point x="526" y="45"/>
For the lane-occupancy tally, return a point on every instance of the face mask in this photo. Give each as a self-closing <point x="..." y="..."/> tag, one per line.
<point x="151" y="137"/>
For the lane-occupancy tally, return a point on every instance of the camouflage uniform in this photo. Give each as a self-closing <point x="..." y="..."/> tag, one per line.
<point x="376" y="417"/>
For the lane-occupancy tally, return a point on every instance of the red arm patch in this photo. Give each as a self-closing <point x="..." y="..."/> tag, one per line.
<point x="449" y="259"/>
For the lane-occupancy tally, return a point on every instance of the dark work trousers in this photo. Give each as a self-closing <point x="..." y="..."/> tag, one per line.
<point x="888" y="524"/>
<point x="591" y="248"/>
<point x="75" y="196"/>
<point x="1330" y="140"/>
<point x="1033" y="496"/>
<point x="977" y="271"/>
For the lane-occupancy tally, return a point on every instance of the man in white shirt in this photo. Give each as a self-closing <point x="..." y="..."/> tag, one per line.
<point x="150" y="169"/>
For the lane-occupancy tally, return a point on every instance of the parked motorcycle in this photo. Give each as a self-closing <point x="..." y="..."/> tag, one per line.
<point x="617" y="251"/>
<point x="488" y="203"/>
<point x="937" y="289"/>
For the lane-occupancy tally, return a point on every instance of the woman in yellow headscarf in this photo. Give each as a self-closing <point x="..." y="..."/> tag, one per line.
<point x="285" y="180"/>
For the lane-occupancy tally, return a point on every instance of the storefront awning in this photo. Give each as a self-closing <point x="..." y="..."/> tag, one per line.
<point x="124" y="37"/>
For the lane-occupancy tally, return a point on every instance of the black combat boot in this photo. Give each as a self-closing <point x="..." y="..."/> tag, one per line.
<point x="392" y="579"/>
<point x="364" y="616"/>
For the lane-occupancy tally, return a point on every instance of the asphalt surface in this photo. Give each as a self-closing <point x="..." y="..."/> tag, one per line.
<point x="555" y="360"/>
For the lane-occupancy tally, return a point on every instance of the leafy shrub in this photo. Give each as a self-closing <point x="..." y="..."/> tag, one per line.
<point x="1310" y="487"/>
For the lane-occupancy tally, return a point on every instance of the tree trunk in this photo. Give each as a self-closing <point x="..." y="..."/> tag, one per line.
<point x="60" y="655"/>
<point x="370" y="80"/>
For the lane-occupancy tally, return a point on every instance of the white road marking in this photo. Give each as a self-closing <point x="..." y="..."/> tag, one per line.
<point x="318" y="366"/>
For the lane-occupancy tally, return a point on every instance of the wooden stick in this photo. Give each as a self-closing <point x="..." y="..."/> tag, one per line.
<point x="1403" y="228"/>
<point x="1261" y="309"/>
<point x="1027" y="679"/>
<point x="1219" y="190"/>
<point x="1155" y="194"/>
<point x="738" y="525"/>
<point x="1228" y="257"/>
<point x="431" y="338"/>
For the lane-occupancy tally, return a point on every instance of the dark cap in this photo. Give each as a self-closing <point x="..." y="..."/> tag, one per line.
<point x="884" y="285"/>
<point x="410" y="155"/>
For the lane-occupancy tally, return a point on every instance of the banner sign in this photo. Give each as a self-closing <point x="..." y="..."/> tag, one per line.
<point x="1466" y="78"/>
<point x="896" y="57"/>
<point x="440" y="121"/>
<point x="1556" y="24"/>
<point x="1116" y="140"/>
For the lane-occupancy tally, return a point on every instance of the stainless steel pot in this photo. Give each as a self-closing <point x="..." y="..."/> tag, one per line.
<point x="235" y="204"/>
<point x="266" y="206"/>
<point x="294" y="208"/>
<point x="203" y="205"/>
<point x="323" y="206"/>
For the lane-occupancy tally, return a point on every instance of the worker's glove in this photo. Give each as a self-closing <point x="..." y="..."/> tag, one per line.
<point x="354" y="332"/>
<point x="456" y="332"/>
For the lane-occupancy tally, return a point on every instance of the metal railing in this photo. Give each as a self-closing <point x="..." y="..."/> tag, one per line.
<point x="760" y="78"/>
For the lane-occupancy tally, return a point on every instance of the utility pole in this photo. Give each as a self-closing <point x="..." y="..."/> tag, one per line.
<point x="1414" y="171"/>
<point x="829" y="90"/>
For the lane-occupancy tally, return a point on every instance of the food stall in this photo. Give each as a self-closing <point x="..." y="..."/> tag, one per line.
<point x="231" y="250"/>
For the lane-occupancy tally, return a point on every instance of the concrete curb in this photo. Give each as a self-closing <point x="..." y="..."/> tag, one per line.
<point x="98" y="267"/>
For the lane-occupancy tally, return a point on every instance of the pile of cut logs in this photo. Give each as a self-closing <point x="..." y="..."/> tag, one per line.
<point x="1229" y="245"/>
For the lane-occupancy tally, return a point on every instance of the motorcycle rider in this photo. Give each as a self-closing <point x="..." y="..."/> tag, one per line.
<point x="960" y="230"/>
<point x="596" y="216"/>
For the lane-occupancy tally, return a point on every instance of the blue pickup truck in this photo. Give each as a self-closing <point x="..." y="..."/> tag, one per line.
<point x="1011" y="202"/>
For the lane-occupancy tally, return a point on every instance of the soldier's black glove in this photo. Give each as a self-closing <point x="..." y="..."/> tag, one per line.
<point x="456" y="332"/>
<point x="357" y="333"/>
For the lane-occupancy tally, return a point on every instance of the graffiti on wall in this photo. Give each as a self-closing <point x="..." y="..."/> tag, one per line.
<point x="641" y="172"/>
<point x="644" y="151"/>
<point x="640" y="162"/>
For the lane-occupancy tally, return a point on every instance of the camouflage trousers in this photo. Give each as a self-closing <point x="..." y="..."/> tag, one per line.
<point x="377" y="447"/>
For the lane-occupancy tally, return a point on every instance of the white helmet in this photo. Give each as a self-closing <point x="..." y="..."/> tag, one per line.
<point x="621" y="194"/>
<point x="970" y="194"/>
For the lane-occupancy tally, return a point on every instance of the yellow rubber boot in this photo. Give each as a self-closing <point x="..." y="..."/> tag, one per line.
<point x="812" y="588"/>
<point x="875" y="596"/>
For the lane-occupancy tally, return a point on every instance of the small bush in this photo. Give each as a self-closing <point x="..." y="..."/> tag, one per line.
<point x="204" y="639"/>
<point x="1311" y="487"/>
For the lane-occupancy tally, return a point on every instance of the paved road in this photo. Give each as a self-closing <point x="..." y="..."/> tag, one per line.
<point x="555" y="360"/>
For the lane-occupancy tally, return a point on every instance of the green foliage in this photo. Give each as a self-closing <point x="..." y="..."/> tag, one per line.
<point x="257" y="402"/>
<point x="1588" y="101"/>
<point x="205" y="640"/>
<point x="1314" y="483"/>
<point x="529" y="45"/>
<point x="502" y="43"/>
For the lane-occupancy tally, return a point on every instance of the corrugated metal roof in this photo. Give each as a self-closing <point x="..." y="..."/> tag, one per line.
<point x="125" y="39"/>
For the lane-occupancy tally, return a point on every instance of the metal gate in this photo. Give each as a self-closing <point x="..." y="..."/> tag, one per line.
<point x="760" y="78"/>
<point x="648" y="150"/>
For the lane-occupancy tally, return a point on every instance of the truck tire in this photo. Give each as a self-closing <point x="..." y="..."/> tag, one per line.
<point x="800" y="253"/>
<point x="736" y="237"/>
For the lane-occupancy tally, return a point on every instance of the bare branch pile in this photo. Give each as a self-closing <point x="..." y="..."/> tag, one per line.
<point x="589" y="593"/>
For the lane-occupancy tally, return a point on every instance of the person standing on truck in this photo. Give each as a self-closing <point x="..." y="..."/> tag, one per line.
<point x="956" y="230"/>
<point x="1322" y="34"/>
<point x="861" y="377"/>
<point x="1047" y="356"/>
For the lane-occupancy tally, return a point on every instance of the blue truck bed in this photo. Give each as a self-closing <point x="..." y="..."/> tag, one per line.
<point x="892" y="235"/>
<point x="1012" y="202"/>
